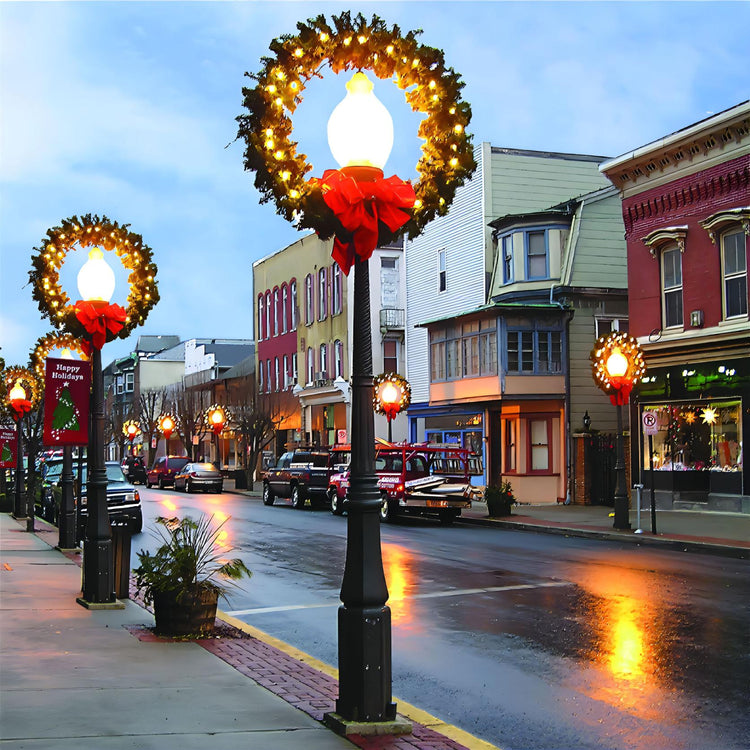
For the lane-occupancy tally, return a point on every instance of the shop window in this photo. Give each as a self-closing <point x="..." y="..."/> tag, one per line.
<point x="671" y="279"/>
<point x="697" y="436"/>
<point x="734" y="273"/>
<point x="540" y="448"/>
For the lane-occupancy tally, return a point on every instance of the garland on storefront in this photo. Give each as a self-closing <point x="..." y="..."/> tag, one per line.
<point x="92" y="231"/>
<point x="348" y="43"/>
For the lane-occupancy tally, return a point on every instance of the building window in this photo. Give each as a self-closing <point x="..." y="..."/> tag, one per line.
<point x="120" y="384"/>
<point x="129" y="382"/>
<point x="535" y="352"/>
<point x="734" y="273"/>
<point x="269" y="384"/>
<point x="268" y="314"/>
<point x="293" y="305"/>
<point x="261" y="314"/>
<point x="467" y="350"/>
<point x="506" y="244"/>
<point x="310" y="365"/>
<point x="442" y="280"/>
<point x="389" y="282"/>
<point x="338" y="359"/>
<point x="261" y="380"/>
<point x="284" y="308"/>
<point x="540" y="455"/>
<point x="336" y="290"/>
<point x="671" y="267"/>
<point x="276" y="373"/>
<point x="276" y="312"/>
<point x="309" y="299"/>
<point x="324" y="360"/>
<point x="390" y="355"/>
<point x="607" y="325"/>
<point x="510" y="446"/>
<point x="322" y="294"/>
<point x="287" y="376"/>
<point x="536" y="255"/>
<point x="295" y="372"/>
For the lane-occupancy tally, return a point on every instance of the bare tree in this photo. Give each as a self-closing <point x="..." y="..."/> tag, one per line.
<point x="150" y="404"/>
<point x="189" y="407"/>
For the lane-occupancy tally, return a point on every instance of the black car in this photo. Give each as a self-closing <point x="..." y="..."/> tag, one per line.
<point x="134" y="469"/>
<point x="123" y="499"/>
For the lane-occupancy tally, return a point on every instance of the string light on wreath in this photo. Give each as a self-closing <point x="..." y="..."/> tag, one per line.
<point x="392" y="394"/>
<point x="99" y="235"/>
<point x="617" y="365"/>
<point x="51" y="341"/>
<point x="216" y="418"/>
<point x="131" y="429"/>
<point x="347" y="43"/>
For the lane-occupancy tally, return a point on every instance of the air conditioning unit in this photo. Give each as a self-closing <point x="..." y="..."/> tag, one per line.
<point x="321" y="376"/>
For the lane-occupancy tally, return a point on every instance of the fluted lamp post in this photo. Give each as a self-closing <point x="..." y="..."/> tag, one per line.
<point x="17" y="399"/>
<point x="96" y="285"/>
<point x="617" y="363"/>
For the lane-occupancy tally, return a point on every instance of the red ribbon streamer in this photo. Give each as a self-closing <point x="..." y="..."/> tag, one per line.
<point x="359" y="206"/>
<point x="20" y="407"/>
<point x="98" y="321"/>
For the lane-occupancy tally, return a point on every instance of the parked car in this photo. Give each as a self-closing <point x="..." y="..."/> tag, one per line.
<point x="303" y="474"/>
<point x="123" y="499"/>
<point x="134" y="469"/>
<point x="164" y="469"/>
<point x="198" y="476"/>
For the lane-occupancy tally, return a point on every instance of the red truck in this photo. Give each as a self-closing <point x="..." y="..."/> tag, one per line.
<point x="422" y="479"/>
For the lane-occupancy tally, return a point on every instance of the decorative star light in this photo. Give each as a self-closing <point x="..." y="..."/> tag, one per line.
<point x="690" y="417"/>
<point x="709" y="416"/>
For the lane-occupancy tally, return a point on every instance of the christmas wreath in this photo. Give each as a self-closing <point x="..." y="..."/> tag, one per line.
<point x="167" y="423"/>
<point x="348" y="43"/>
<point x="31" y="384"/>
<point x="618" y="387"/>
<point x="391" y="408"/>
<point x="45" y="344"/>
<point x="93" y="231"/>
<point x="126" y="429"/>
<point x="219" y="422"/>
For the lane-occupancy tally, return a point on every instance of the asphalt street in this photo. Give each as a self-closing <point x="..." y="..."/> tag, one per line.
<point x="524" y="640"/>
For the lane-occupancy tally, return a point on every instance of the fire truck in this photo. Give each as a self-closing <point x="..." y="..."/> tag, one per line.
<point x="417" y="478"/>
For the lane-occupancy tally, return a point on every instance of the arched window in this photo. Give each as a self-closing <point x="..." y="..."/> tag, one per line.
<point x="279" y="384"/>
<point x="324" y="360"/>
<point x="287" y="374"/>
<point x="284" y="308"/>
<point x="338" y="359"/>
<point x="322" y="294"/>
<point x="336" y="290"/>
<point x="276" y="312"/>
<point x="293" y="305"/>
<point x="309" y="299"/>
<point x="269" y="385"/>
<point x="268" y="314"/>
<point x="261" y="380"/>
<point x="261" y="317"/>
<point x="310" y="365"/>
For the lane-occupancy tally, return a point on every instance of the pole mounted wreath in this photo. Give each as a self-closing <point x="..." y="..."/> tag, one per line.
<point x="344" y="44"/>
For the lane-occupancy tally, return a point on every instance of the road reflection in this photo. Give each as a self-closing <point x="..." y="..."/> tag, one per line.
<point x="400" y="575"/>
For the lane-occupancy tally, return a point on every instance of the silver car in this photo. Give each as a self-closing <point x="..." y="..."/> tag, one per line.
<point x="198" y="476"/>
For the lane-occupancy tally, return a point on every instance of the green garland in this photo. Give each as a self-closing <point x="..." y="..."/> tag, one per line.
<point x="45" y="344"/>
<point x="400" y="382"/>
<point x="92" y="231"/>
<point x="32" y="384"/>
<point x="353" y="44"/>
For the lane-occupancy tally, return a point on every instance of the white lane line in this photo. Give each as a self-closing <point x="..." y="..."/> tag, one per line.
<point x="434" y="595"/>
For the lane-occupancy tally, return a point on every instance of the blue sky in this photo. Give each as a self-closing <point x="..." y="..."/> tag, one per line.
<point x="128" y="109"/>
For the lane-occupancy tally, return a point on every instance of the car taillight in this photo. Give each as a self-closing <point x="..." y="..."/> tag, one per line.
<point x="137" y="496"/>
<point x="193" y="473"/>
<point x="399" y="488"/>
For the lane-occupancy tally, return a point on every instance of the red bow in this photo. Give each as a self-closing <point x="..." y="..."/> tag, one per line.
<point x="622" y="388"/>
<point x="20" y="407"/>
<point x="359" y="206"/>
<point x="98" y="320"/>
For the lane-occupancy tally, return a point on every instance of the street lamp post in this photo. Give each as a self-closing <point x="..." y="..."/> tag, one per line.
<point x="392" y="396"/>
<point x="16" y="398"/>
<point x="216" y="418"/>
<point x="617" y="363"/>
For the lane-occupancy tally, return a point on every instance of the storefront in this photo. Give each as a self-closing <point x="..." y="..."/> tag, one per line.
<point x="695" y="459"/>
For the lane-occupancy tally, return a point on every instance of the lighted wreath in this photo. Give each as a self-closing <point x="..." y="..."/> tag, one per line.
<point x="45" y="344"/>
<point x="92" y="231"/>
<point x="617" y="388"/>
<point x="211" y="420"/>
<point x="33" y="385"/>
<point x="348" y="43"/>
<point x="131" y="429"/>
<point x="402" y="384"/>
<point x="167" y="423"/>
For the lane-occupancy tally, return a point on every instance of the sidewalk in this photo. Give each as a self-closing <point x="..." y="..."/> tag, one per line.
<point x="76" y="678"/>
<point x="695" y="531"/>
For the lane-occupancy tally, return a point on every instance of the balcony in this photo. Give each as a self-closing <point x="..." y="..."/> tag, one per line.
<point x="392" y="319"/>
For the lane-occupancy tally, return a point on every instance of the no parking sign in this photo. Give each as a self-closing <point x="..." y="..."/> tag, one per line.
<point x="650" y="423"/>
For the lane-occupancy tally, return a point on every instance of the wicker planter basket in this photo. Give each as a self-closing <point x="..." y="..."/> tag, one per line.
<point x="193" y="614"/>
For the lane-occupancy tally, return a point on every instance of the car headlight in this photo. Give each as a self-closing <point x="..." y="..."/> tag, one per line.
<point x="130" y="497"/>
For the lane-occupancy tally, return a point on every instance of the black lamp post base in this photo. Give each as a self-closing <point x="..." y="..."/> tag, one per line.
<point x="342" y="726"/>
<point x="115" y="604"/>
<point x="98" y="579"/>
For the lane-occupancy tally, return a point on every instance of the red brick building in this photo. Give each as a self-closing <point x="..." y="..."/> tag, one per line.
<point x="686" y="209"/>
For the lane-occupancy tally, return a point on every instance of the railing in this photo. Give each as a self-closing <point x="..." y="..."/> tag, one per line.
<point x="392" y="317"/>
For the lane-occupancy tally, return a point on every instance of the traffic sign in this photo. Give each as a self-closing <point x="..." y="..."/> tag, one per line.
<point x="650" y="423"/>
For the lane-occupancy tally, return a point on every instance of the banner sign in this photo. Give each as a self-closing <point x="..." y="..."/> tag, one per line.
<point x="7" y="447"/>
<point x="67" y="384"/>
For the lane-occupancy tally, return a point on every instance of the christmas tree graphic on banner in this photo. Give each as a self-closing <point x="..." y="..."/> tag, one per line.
<point x="65" y="415"/>
<point x="5" y="454"/>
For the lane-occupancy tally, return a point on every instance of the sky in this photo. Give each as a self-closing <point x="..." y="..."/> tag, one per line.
<point x="127" y="109"/>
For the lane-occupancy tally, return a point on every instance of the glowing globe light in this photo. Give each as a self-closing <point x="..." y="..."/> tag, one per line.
<point x="217" y="417"/>
<point x="96" y="280"/>
<point x="17" y="393"/>
<point x="389" y="394"/>
<point x="617" y="364"/>
<point x="360" y="129"/>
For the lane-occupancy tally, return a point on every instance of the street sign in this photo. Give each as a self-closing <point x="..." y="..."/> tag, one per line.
<point x="650" y="423"/>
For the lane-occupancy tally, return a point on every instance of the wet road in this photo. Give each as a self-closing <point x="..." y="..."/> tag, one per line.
<point x="525" y="640"/>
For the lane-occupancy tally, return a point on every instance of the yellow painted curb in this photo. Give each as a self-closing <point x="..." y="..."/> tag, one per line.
<point x="405" y="709"/>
